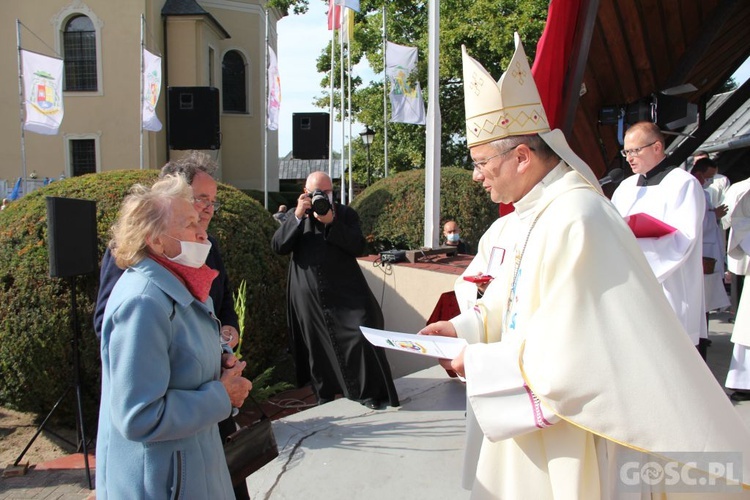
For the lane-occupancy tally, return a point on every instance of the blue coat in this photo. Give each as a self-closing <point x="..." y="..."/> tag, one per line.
<point x="161" y="395"/>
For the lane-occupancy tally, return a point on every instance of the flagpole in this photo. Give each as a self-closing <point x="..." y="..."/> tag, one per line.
<point x="330" y="95"/>
<point x="341" y="92"/>
<point x="385" y="98"/>
<point x="432" y="149"/>
<point x="21" y="111"/>
<point x="349" y="89"/>
<point x="265" y="125"/>
<point x="143" y="46"/>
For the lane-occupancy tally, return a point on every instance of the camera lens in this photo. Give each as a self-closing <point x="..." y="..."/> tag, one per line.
<point x="320" y="203"/>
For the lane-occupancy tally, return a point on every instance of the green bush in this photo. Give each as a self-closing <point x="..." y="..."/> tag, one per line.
<point x="35" y="329"/>
<point x="392" y="210"/>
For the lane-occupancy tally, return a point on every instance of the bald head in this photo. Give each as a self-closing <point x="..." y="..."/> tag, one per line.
<point x="318" y="180"/>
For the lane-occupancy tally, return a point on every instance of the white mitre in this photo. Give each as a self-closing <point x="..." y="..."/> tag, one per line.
<point x="511" y="106"/>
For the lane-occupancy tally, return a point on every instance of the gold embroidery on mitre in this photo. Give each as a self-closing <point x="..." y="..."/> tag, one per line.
<point x="511" y="106"/>
<point x="476" y="83"/>
<point x="518" y="73"/>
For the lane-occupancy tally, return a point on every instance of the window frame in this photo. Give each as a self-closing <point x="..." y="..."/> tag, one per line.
<point x="60" y="21"/>
<point x="68" y="140"/>
<point x="245" y="84"/>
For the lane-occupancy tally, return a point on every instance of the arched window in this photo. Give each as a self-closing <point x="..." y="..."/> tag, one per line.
<point x="79" y="52"/>
<point x="233" y="83"/>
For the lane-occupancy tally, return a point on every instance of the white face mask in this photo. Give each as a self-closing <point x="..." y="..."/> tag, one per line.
<point x="192" y="253"/>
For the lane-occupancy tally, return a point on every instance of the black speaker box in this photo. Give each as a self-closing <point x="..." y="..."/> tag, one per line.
<point x="71" y="236"/>
<point x="310" y="136"/>
<point x="674" y="112"/>
<point x="193" y="114"/>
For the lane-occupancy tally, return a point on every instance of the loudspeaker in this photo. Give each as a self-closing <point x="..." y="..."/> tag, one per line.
<point x="673" y="112"/>
<point x="71" y="236"/>
<point x="310" y="136"/>
<point x="193" y="114"/>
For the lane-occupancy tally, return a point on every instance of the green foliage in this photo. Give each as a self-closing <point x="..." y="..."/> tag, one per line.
<point x="391" y="211"/>
<point x="264" y="387"/>
<point x="274" y="198"/>
<point x="240" y="308"/>
<point x="35" y="329"/>
<point x="486" y="27"/>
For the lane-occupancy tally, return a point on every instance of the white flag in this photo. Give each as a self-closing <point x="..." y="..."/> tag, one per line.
<point x="151" y="90"/>
<point x="352" y="4"/>
<point x="42" y="93"/>
<point x="407" y="105"/>
<point x="274" y="91"/>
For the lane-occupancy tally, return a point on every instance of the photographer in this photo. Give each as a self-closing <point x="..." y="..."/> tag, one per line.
<point x="328" y="300"/>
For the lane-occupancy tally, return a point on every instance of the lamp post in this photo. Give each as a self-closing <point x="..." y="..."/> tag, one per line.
<point x="367" y="136"/>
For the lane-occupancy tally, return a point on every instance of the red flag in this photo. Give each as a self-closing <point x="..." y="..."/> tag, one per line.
<point x="334" y="16"/>
<point x="552" y="55"/>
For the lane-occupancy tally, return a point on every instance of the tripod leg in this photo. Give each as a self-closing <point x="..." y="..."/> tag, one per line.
<point x="41" y="427"/>
<point x="80" y="427"/>
<point x="82" y="430"/>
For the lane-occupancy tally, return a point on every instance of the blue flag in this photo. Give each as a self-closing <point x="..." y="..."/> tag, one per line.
<point x="16" y="193"/>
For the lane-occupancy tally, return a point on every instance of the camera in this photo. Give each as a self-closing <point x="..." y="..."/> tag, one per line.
<point x="320" y="203"/>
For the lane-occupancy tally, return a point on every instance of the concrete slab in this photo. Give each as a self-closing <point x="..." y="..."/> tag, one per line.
<point x="344" y="450"/>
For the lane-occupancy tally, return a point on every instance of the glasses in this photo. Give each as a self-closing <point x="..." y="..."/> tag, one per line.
<point x="204" y="204"/>
<point x="478" y="165"/>
<point x="635" y="151"/>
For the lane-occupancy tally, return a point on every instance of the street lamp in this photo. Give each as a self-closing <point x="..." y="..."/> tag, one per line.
<point x="367" y="136"/>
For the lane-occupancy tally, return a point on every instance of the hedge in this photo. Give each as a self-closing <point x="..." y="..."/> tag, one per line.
<point x="391" y="211"/>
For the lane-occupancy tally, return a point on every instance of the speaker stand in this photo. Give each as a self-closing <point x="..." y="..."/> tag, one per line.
<point x="75" y="384"/>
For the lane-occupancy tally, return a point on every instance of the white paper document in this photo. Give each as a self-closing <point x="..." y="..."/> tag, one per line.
<point x="425" y="345"/>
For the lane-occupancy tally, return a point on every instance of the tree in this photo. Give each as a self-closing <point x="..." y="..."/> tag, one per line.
<point x="486" y="27"/>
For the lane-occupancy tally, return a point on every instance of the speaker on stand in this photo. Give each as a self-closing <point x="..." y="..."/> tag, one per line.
<point x="71" y="243"/>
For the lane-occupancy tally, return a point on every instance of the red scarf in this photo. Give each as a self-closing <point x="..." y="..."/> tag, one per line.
<point x="197" y="280"/>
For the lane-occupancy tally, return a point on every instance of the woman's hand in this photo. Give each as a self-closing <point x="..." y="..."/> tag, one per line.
<point x="237" y="386"/>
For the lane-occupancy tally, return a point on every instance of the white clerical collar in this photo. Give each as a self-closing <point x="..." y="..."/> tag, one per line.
<point x="525" y="207"/>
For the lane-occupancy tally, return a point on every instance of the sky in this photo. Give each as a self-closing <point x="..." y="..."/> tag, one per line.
<point x="301" y="38"/>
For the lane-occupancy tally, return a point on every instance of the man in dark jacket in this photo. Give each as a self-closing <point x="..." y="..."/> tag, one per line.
<point x="329" y="299"/>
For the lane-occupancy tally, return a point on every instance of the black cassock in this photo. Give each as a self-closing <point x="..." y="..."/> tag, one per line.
<point x="328" y="300"/>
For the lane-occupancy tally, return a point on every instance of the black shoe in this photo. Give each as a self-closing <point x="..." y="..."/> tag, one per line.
<point x="740" y="396"/>
<point x="372" y="403"/>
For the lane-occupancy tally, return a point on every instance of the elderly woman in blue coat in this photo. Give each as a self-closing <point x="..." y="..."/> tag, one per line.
<point x="165" y="381"/>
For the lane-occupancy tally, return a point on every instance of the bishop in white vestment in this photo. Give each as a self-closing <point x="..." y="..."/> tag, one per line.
<point x="576" y="358"/>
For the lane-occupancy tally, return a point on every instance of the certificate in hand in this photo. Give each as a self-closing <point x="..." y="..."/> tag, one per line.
<point x="426" y="345"/>
<point x="645" y="226"/>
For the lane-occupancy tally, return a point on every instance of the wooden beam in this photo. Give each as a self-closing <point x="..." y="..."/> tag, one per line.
<point x="574" y="76"/>
<point x="697" y="50"/>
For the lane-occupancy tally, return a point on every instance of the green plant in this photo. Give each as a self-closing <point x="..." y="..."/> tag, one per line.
<point x="391" y="211"/>
<point x="263" y="388"/>
<point x="35" y="329"/>
<point x="241" y="309"/>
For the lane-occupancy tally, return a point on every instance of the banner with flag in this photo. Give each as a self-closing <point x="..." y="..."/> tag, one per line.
<point x="274" y="91"/>
<point x="351" y="4"/>
<point x="407" y="105"/>
<point x="347" y="26"/>
<point x="151" y="90"/>
<point x="42" y="92"/>
<point x="334" y="15"/>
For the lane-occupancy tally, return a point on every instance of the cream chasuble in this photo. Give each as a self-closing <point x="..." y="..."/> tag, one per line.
<point x="675" y="259"/>
<point x="600" y="347"/>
